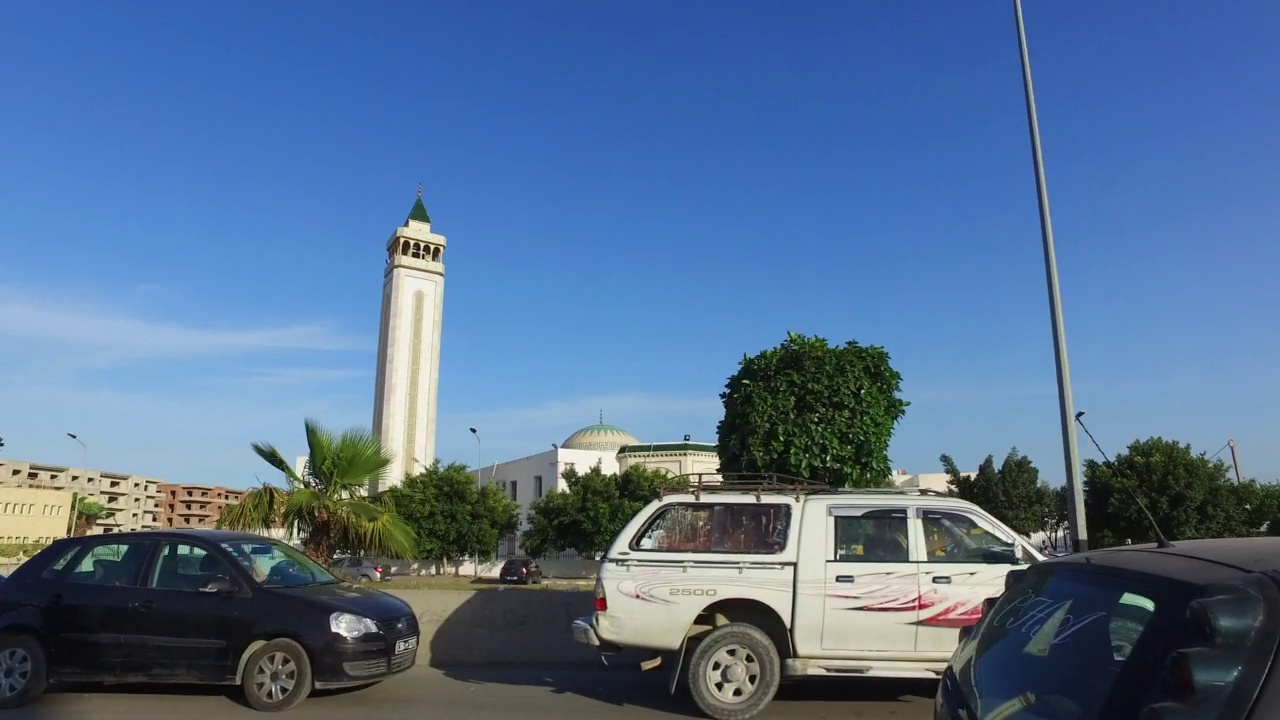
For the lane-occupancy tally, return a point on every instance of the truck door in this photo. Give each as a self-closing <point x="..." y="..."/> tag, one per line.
<point x="966" y="559"/>
<point x="872" y="589"/>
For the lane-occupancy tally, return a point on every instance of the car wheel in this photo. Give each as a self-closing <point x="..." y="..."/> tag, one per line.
<point x="365" y="579"/>
<point x="734" y="672"/>
<point x="277" y="676"/>
<point x="23" y="673"/>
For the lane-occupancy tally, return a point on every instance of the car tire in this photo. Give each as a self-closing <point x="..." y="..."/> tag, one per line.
<point x="734" y="672"/>
<point x="365" y="579"/>
<point x="24" y="674"/>
<point x="277" y="676"/>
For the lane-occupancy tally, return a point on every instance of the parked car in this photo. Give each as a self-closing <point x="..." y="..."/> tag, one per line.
<point x="360" y="569"/>
<point x="1188" y="630"/>
<point x="759" y="578"/>
<point x="524" y="571"/>
<point x="195" y="606"/>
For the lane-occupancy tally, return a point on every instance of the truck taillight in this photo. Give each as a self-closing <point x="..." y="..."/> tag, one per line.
<point x="602" y="603"/>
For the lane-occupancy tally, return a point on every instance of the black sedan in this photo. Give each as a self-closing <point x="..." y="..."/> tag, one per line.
<point x="1187" y="630"/>
<point x="204" y="607"/>
<point x="521" y="571"/>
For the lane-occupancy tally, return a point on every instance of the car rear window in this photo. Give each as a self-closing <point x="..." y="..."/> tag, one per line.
<point x="1069" y="643"/>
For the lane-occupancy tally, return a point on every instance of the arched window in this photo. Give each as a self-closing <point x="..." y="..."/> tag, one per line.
<point x="435" y="254"/>
<point x="404" y="247"/>
<point x="417" y="251"/>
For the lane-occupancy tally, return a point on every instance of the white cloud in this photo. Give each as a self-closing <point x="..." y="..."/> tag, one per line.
<point x="188" y="436"/>
<point x="96" y="334"/>
<point x="308" y="376"/>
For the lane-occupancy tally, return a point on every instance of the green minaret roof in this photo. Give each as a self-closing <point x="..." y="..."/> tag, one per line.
<point x="419" y="211"/>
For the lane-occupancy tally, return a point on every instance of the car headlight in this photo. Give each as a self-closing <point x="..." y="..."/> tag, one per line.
<point x="351" y="626"/>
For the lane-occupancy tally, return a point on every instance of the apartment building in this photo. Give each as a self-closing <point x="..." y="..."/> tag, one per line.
<point x="133" y="500"/>
<point x="33" y="515"/>
<point x="194" y="506"/>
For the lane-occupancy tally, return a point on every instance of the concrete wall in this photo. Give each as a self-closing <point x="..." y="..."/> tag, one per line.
<point x="33" y="515"/>
<point x="568" y="569"/>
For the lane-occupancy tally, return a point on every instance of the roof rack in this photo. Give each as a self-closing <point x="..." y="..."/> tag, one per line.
<point x="759" y="484"/>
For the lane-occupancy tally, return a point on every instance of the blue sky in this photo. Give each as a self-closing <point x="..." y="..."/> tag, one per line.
<point x="196" y="198"/>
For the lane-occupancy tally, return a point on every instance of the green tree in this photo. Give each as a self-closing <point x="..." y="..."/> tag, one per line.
<point x="329" y="505"/>
<point x="87" y="515"/>
<point x="589" y="514"/>
<point x="1" y="442"/>
<point x="451" y="517"/>
<point x="1014" y="493"/>
<point x="1261" y="506"/>
<point x="1188" y="494"/>
<point x="814" y="411"/>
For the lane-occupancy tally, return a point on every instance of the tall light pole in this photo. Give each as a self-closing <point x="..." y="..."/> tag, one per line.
<point x="478" y="454"/>
<point x="1070" y="451"/>
<point x="84" y="451"/>
<point x="475" y="561"/>
<point x="84" y="464"/>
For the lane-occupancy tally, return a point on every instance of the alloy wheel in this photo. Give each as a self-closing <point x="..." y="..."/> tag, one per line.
<point x="733" y="674"/>
<point x="15" y="671"/>
<point x="275" y="677"/>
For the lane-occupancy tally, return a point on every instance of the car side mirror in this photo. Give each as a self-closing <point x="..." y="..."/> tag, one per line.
<point x="219" y="585"/>
<point x="989" y="604"/>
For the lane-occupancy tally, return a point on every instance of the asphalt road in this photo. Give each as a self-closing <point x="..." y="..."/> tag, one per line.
<point x="487" y="694"/>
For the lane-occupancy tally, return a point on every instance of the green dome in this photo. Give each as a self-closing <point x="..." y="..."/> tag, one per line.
<point x="604" y="438"/>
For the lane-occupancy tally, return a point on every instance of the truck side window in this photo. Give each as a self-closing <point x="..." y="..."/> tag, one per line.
<point x="719" y="528"/>
<point x="954" y="537"/>
<point x="872" y="538"/>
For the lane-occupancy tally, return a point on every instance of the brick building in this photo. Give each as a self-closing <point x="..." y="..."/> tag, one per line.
<point x="194" y="506"/>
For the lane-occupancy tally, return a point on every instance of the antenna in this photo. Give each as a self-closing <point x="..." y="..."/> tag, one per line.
<point x="1161" y="541"/>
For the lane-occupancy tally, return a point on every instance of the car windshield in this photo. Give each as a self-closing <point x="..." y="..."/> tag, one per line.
<point x="276" y="564"/>
<point x="1055" y="644"/>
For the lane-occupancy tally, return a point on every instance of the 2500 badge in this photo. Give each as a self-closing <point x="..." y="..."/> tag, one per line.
<point x="694" y="592"/>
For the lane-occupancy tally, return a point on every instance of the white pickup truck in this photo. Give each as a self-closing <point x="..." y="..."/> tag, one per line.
<point x="750" y="580"/>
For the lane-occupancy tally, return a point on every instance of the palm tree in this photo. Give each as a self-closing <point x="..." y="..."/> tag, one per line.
<point x="87" y="514"/>
<point x="328" y="505"/>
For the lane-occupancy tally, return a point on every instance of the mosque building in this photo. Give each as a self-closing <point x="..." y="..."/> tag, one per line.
<point x="528" y="478"/>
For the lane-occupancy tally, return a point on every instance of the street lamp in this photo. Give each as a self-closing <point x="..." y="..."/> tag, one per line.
<point x="1071" y="453"/>
<point x="479" y="464"/>
<point x="84" y="451"/>
<point x="84" y="463"/>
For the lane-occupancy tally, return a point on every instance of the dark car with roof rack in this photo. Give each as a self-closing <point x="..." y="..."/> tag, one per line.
<point x="1171" y="630"/>
<point x="201" y="607"/>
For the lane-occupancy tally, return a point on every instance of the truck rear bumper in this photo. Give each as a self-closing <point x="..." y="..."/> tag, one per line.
<point x="584" y="631"/>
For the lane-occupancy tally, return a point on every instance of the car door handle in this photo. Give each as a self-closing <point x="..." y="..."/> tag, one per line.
<point x="844" y="578"/>
<point x="145" y="605"/>
<point x="941" y="579"/>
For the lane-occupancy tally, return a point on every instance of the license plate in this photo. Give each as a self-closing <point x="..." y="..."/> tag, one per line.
<point x="406" y="644"/>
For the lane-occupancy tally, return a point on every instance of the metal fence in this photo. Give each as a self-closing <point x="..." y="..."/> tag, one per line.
<point x="512" y="546"/>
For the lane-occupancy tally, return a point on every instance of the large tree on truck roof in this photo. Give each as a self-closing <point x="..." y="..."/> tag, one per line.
<point x="812" y="410"/>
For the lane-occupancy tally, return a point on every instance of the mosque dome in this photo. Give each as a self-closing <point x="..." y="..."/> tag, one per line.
<point x="601" y="437"/>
